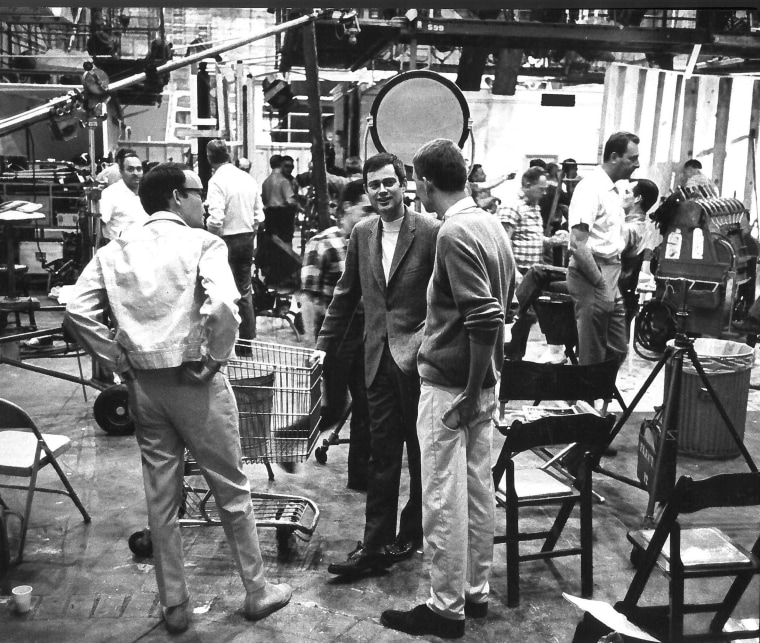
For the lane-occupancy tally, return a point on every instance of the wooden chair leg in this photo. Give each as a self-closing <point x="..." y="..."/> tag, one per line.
<point x="558" y="525"/>
<point x="513" y="557"/>
<point x="587" y="541"/>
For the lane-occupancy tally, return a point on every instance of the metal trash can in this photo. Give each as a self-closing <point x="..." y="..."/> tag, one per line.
<point x="556" y="318"/>
<point x="702" y="432"/>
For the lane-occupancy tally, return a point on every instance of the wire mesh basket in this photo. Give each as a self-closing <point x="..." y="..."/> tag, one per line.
<point x="279" y="399"/>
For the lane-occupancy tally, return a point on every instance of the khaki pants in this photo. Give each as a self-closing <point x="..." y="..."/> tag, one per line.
<point x="599" y="315"/>
<point x="458" y="500"/>
<point x="169" y="416"/>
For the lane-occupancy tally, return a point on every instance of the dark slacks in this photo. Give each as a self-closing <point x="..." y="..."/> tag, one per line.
<point x="393" y="399"/>
<point x="343" y="374"/>
<point x="240" y="257"/>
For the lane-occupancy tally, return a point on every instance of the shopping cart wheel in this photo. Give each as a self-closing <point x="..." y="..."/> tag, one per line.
<point x="112" y="411"/>
<point x="140" y="543"/>
<point x="320" y="453"/>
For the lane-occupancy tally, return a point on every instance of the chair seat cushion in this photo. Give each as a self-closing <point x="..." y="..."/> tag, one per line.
<point x="17" y="449"/>
<point x="531" y="484"/>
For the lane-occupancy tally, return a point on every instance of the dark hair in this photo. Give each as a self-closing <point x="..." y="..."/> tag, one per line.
<point x="157" y="186"/>
<point x="648" y="191"/>
<point x="124" y="157"/>
<point x="121" y="153"/>
<point x="353" y="165"/>
<point x="441" y="162"/>
<point x="569" y="162"/>
<point x="475" y="168"/>
<point x="537" y="163"/>
<point x="693" y="163"/>
<point x="353" y="192"/>
<point x="287" y="158"/>
<point x="532" y="175"/>
<point x="378" y="161"/>
<point x="618" y="143"/>
<point x="275" y="161"/>
<point x="216" y="151"/>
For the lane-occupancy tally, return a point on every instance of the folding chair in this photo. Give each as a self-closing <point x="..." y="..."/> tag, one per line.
<point x="696" y="553"/>
<point x="535" y="487"/>
<point x="522" y="380"/>
<point x="24" y="450"/>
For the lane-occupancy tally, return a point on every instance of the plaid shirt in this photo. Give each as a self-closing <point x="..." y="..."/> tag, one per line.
<point x="528" y="234"/>
<point x="324" y="260"/>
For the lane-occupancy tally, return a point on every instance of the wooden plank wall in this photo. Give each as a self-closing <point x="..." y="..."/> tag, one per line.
<point x="711" y="118"/>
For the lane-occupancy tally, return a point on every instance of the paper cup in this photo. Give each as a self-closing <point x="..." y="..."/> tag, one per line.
<point x="22" y="598"/>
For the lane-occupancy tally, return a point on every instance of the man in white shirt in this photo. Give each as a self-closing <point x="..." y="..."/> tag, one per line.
<point x="120" y="207"/>
<point x="235" y="211"/>
<point x="596" y="219"/>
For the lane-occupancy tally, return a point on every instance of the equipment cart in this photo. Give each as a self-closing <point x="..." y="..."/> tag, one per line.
<point x="279" y="399"/>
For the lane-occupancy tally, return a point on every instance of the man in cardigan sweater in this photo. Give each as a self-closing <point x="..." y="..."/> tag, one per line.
<point x="459" y="361"/>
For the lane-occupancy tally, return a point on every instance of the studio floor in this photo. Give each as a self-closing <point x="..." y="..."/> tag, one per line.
<point x="88" y="586"/>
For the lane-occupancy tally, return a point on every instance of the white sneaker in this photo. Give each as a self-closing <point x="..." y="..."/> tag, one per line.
<point x="554" y="354"/>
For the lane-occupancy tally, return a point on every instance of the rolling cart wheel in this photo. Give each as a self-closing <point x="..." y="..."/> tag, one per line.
<point x="112" y="412"/>
<point x="320" y="453"/>
<point x="284" y="536"/>
<point x="140" y="544"/>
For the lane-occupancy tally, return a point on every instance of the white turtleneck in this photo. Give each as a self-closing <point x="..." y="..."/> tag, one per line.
<point x="389" y="240"/>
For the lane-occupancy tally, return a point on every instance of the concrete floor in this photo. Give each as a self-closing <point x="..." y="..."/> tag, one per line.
<point x="88" y="586"/>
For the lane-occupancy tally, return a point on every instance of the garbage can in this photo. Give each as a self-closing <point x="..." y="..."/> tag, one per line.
<point x="556" y="318"/>
<point x="702" y="432"/>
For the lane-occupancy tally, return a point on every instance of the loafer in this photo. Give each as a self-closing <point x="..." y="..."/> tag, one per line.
<point x="475" y="610"/>
<point x="402" y="548"/>
<point x="177" y="617"/>
<point x="422" y="620"/>
<point x="268" y="599"/>
<point x="361" y="560"/>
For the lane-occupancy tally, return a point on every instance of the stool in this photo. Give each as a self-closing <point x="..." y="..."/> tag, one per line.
<point x="25" y="305"/>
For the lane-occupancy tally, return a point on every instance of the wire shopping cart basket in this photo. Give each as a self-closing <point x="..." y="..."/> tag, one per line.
<point x="278" y="395"/>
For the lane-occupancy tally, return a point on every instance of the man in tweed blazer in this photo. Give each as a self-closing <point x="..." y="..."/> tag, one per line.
<point x="388" y="264"/>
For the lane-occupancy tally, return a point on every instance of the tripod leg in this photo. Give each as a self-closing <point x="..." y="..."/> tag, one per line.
<point x="721" y="409"/>
<point x="632" y="406"/>
<point x="670" y="418"/>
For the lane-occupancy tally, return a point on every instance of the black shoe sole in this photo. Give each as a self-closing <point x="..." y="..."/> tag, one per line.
<point x="475" y="610"/>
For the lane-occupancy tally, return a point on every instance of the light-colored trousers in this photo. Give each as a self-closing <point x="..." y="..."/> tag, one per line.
<point x="599" y="315"/>
<point x="458" y="500"/>
<point x="169" y="416"/>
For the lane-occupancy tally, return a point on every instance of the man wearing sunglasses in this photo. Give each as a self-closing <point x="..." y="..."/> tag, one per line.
<point x="235" y="211"/>
<point x="169" y="290"/>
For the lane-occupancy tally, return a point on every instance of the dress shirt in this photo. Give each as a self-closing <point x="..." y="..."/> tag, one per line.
<point x="234" y="202"/>
<point x="120" y="208"/>
<point x="597" y="203"/>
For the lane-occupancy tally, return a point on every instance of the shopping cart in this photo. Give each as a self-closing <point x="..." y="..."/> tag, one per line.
<point x="279" y="399"/>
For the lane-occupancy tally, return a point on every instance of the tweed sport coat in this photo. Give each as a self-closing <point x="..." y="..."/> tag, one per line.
<point x="395" y="310"/>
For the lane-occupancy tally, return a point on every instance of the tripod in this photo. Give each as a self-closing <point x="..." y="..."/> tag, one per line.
<point x="683" y="346"/>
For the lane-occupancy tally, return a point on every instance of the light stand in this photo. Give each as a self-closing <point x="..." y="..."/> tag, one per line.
<point x="682" y="346"/>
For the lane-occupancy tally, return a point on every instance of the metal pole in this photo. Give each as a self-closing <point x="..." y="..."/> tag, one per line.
<point x="44" y="111"/>
<point x="319" y="171"/>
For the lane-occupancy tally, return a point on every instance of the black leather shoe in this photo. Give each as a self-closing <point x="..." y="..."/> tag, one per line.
<point x="749" y="325"/>
<point x="475" y="610"/>
<point x="362" y="560"/>
<point x="422" y="620"/>
<point x="402" y="548"/>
